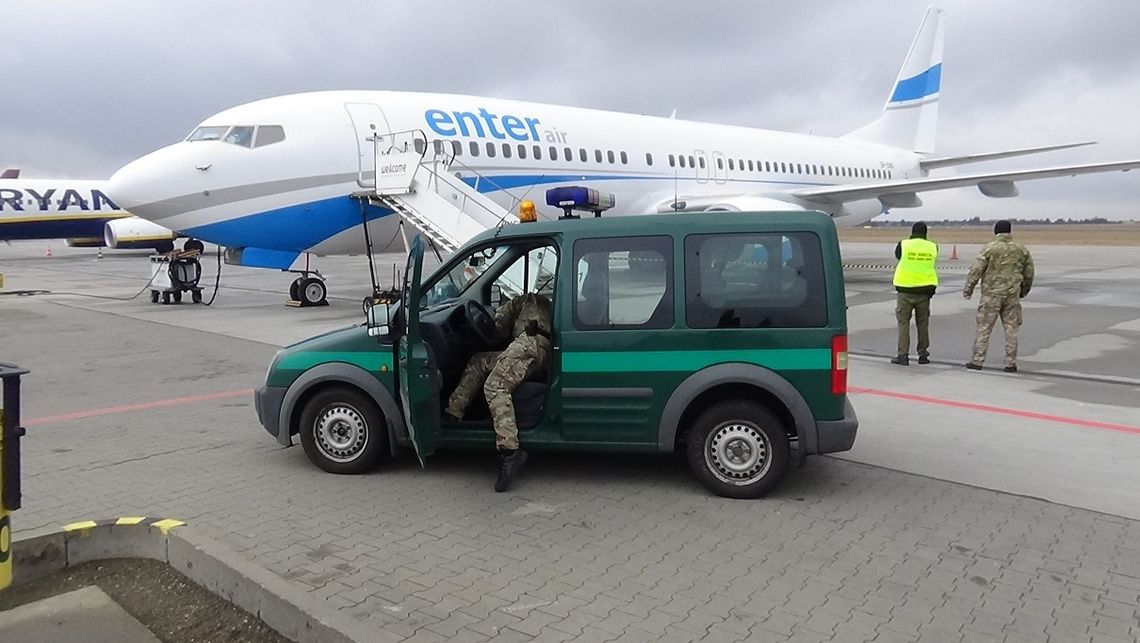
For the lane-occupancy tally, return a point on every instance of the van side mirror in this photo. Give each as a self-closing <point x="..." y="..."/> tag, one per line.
<point x="496" y="295"/>
<point x="377" y="319"/>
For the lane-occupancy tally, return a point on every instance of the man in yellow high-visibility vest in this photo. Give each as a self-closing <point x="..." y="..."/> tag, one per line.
<point x="916" y="279"/>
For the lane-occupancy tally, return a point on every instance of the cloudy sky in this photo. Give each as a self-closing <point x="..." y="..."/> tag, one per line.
<point x="93" y="85"/>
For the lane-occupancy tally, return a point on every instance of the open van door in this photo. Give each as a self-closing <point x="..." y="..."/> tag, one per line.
<point x="419" y="392"/>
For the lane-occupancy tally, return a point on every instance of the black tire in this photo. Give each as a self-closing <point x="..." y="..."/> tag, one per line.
<point x="295" y="289"/>
<point x="313" y="292"/>
<point x="196" y="296"/>
<point x="738" y="449"/>
<point x="342" y="431"/>
<point x="178" y="296"/>
<point x="193" y="244"/>
<point x="154" y="296"/>
<point x="165" y="298"/>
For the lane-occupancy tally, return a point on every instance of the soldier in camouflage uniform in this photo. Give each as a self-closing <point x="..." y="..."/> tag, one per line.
<point x="527" y="319"/>
<point x="1005" y="269"/>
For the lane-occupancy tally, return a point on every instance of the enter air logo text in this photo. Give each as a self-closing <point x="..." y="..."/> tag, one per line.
<point x="484" y="124"/>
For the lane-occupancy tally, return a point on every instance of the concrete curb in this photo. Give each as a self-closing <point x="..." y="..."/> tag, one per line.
<point x="292" y="612"/>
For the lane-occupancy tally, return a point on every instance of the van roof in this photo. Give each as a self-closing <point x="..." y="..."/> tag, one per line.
<point x="651" y="223"/>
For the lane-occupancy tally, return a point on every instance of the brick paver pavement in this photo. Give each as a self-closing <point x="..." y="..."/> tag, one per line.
<point x="587" y="548"/>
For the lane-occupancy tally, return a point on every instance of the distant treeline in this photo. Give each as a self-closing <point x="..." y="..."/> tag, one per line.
<point x="978" y="221"/>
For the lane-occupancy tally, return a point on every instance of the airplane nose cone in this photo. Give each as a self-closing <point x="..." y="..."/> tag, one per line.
<point x="150" y="186"/>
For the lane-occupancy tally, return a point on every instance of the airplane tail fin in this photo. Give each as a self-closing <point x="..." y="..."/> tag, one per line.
<point x="910" y="115"/>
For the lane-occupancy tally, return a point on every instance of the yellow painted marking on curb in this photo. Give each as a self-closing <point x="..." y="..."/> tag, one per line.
<point x="130" y="520"/>
<point x="166" y="525"/>
<point x="80" y="526"/>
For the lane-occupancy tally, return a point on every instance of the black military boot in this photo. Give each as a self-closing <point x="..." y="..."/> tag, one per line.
<point x="510" y="462"/>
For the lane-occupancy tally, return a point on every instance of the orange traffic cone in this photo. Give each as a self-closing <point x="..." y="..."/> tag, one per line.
<point x="47" y="251"/>
<point x="954" y="252"/>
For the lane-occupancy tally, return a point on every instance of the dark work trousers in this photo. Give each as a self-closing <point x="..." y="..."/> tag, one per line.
<point x="919" y="304"/>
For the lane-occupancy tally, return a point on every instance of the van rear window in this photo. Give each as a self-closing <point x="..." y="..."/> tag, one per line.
<point x="769" y="280"/>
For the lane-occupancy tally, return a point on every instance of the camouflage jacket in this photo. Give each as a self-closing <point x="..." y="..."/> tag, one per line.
<point x="1004" y="267"/>
<point x="512" y="318"/>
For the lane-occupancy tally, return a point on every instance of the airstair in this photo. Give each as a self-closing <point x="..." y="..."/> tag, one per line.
<point x="422" y="182"/>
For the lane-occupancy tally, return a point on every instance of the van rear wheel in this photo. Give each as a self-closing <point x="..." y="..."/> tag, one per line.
<point x="342" y="431"/>
<point x="738" y="449"/>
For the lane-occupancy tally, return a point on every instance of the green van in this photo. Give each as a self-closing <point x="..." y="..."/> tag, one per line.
<point x="723" y="334"/>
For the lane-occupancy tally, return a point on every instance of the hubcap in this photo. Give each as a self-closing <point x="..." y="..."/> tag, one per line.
<point x="341" y="433"/>
<point x="738" y="453"/>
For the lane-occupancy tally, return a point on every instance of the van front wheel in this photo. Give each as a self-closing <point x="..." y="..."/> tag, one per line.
<point x="342" y="431"/>
<point x="738" y="449"/>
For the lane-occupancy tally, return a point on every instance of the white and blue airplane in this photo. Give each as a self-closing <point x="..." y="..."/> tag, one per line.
<point x="272" y="179"/>
<point x="77" y="211"/>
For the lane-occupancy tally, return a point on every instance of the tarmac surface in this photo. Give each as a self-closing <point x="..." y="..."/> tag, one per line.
<point x="974" y="506"/>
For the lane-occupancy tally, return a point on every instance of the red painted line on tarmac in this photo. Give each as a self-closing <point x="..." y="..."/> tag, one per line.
<point x="985" y="408"/>
<point x="142" y="406"/>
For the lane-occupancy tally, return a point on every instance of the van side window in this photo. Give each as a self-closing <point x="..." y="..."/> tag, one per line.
<point x="770" y="280"/>
<point x="623" y="283"/>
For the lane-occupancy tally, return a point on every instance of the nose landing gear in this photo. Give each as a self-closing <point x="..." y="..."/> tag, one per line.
<point x="308" y="290"/>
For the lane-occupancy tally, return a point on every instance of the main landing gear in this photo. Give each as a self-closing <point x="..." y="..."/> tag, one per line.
<point x="308" y="290"/>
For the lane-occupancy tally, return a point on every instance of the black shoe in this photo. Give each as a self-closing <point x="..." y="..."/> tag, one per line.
<point x="922" y="359"/>
<point x="901" y="360"/>
<point x="973" y="367"/>
<point x="510" y="462"/>
<point x="1010" y="369"/>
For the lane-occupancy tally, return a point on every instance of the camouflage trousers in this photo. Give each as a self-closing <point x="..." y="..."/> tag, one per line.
<point x="500" y="373"/>
<point x="905" y="304"/>
<point x="1008" y="308"/>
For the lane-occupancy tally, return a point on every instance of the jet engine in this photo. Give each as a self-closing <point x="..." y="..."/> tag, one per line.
<point x="134" y="232"/>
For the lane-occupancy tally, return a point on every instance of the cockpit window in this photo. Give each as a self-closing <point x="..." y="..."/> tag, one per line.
<point x="241" y="135"/>
<point x="212" y="133"/>
<point x="269" y="134"/>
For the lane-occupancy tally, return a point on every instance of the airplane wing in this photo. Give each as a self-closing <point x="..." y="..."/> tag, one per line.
<point x="947" y="161"/>
<point x="993" y="184"/>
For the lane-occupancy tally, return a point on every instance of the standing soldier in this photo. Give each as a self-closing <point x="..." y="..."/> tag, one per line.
<point x="526" y="320"/>
<point x="1006" y="271"/>
<point x="916" y="279"/>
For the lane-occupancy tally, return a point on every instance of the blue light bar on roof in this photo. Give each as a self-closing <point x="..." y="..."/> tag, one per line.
<point x="581" y="199"/>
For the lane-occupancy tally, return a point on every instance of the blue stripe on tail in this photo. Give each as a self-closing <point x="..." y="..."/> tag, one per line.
<point x="920" y="86"/>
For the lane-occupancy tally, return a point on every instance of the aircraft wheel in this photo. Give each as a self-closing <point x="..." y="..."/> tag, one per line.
<point x="154" y="296"/>
<point x="165" y="298"/>
<point x="295" y="289"/>
<point x="313" y="292"/>
<point x="196" y="296"/>
<point x="178" y="296"/>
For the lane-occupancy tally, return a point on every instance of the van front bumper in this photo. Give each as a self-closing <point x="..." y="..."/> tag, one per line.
<point x="267" y="400"/>
<point x="838" y="435"/>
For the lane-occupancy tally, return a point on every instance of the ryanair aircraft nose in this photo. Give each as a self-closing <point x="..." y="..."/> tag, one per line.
<point x="156" y="186"/>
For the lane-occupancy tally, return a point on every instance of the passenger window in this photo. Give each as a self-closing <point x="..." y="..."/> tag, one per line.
<point x="553" y="153"/>
<point x="474" y="147"/>
<point x="568" y="154"/>
<point x="597" y="156"/>
<point x="682" y="161"/>
<point x="648" y="158"/>
<point x="268" y="135"/>
<point x="583" y="155"/>
<point x="506" y="150"/>
<point x="420" y="145"/>
<point x="720" y="163"/>
<point x="623" y="283"/>
<point x="610" y="155"/>
<point x="522" y="151"/>
<point x="456" y="148"/>
<point x="671" y="161"/>
<point x="537" y="149"/>
<point x="693" y="163"/>
<point x="241" y="135"/>
<point x="772" y="280"/>
<point x="623" y="157"/>
<point x="491" y="150"/>
<point x="750" y="166"/>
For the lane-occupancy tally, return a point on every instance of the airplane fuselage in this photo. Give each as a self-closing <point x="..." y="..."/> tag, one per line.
<point x="292" y="192"/>
<point x="55" y="209"/>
